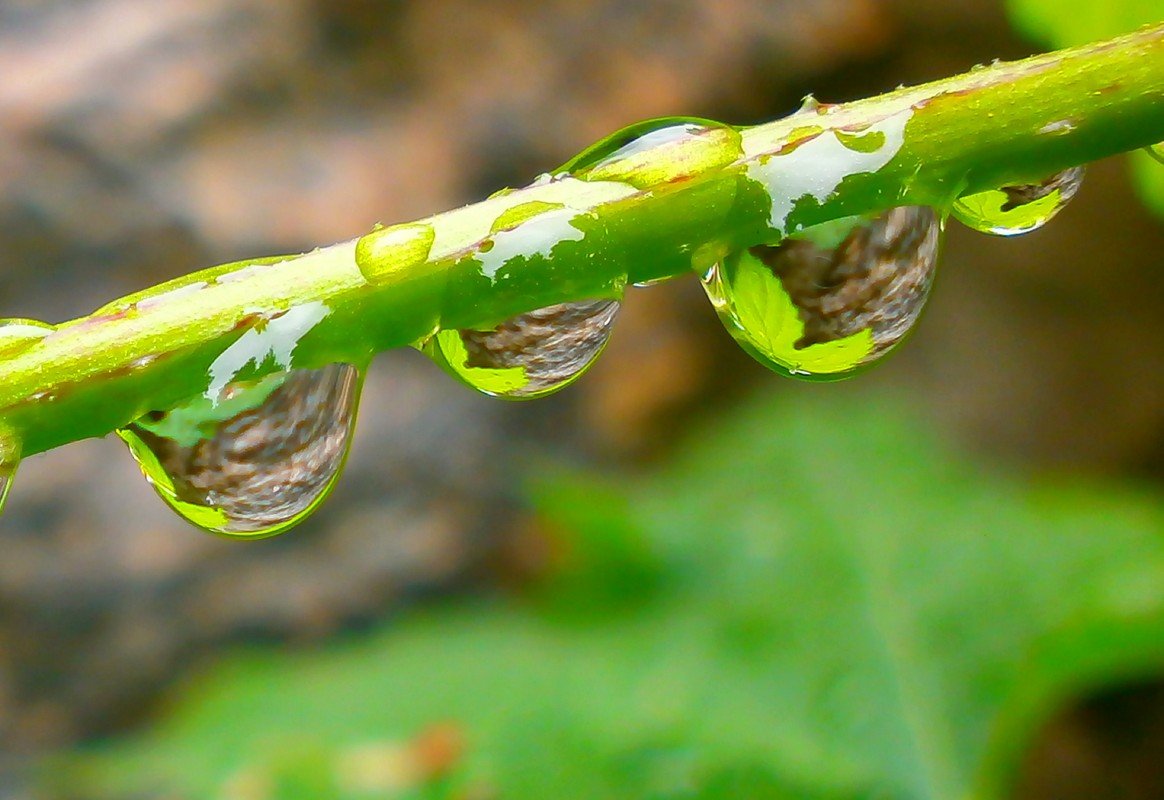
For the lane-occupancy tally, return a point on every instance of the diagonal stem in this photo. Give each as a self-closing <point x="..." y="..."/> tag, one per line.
<point x="676" y="209"/>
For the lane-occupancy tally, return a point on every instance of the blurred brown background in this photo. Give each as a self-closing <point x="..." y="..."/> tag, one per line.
<point x="141" y="140"/>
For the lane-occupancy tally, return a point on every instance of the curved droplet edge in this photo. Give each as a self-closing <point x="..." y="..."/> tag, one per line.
<point x="213" y="520"/>
<point x="432" y="348"/>
<point x="714" y="283"/>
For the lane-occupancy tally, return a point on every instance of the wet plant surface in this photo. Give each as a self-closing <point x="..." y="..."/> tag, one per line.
<point x="109" y="595"/>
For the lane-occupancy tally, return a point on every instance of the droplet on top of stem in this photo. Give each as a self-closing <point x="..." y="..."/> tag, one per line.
<point x="257" y="459"/>
<point x="17" y="335"/>
<point x="832" y="299"/>
<point x="1014" y="210"/>
<point x="529" y="355"/>
<point x="657" y="151"/>
<point x="388" y="251"/>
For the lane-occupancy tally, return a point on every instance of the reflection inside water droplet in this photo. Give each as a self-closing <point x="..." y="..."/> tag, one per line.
<point x="832" y="299"/>
<point x="257" y="461"/>
<point x="1156" y="151"/>
<point x="1014" y="210"/>
<point x="17" y="335"/>
<point x="530" y="355"/>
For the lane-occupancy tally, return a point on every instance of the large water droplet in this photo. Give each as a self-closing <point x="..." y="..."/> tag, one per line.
<point x="257" y="459"/>
<point x="17" y="335"/>
<point x="832" y="299"/>
<point x="530" y="355"/>
<point x="657" y="151"/>
<point x="1013" y="210"/>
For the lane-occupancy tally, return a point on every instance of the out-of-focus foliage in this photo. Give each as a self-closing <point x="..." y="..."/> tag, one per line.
<point x="812" y="600"/>
<point x="1149" y="177"/>
<point x="1056" y="24"/>
<point x="1065" y="23"/>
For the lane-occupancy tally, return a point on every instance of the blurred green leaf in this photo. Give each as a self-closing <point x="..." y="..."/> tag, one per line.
<point x="1064" y="23"/>
<point x="1148" y="174"/>
<point x="844" y="610"/>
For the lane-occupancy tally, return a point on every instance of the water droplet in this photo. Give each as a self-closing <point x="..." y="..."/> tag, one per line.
<point x="657" y="151"/>
<point x="809" y="105"/>
<point x="257" y="461"/>
<point x="1156" y="151"/>
<point x="514" y="216"/>
<point x="386" y="251"/>
<point x="530" y="355"/>
<point x="17" y="335"/>
<point x="1013" y="210"/>
<point x="832" y="299"/>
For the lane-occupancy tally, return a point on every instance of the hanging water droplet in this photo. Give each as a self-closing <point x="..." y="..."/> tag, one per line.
<point x="832" y="299"/>
<point x="258" y="457"/>
<point x="1013" y="210"/>
<point x="17" y="335"/>
<point x="530" y="355"/>
<point x="635" y="154"/>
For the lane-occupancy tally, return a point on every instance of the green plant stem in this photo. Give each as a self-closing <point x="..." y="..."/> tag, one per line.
<point x="1001" y="125"/>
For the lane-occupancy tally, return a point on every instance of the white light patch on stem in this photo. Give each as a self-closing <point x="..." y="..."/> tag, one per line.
<point x="277" y="340"/>
<point x="817" y="167"/>
<point x="537" y="236"/>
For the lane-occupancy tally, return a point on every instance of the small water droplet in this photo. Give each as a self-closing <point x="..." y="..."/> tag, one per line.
<point x="530" y="355"/>
<point x="1014" y="210"/>
<point x="257" y="461"/>
<point x="17" y="335"/>
<point x="657" y="151"/>
<point x="832" y="299"/>
<point x="387" y="251"/>
<point x="809" y="105"/>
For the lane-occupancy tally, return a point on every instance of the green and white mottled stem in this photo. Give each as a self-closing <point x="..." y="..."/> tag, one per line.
<point x="661" y="212"/>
